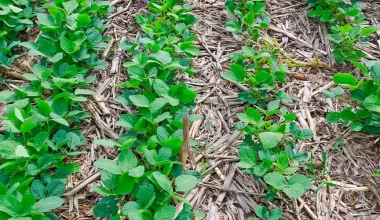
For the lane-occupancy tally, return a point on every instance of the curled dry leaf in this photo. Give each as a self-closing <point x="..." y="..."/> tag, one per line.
<point x="299" y="76"/>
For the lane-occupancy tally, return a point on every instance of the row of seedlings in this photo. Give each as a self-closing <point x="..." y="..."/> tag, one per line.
<point x="269" y="149"/>
<point x="15" y="17"/>
<point x="42" y="119"/>
<point x="349" y="31"/>
<point x="149" y="174"/>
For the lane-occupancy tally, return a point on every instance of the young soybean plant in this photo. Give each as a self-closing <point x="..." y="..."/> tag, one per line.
<point x="260" y="70"/>
<point x="251" y="17"/>
<point x="345" y="39"/>
<point x="71" y="33"/>
<point x="365" y="94"/>
<point x="38" y="118"/>
<point x="263" y="213"/>
<point x="15" y="16"/>
<point x="267" y="150"/>
<point x="271" y="155"/>
<point x="344" y="20"/>
<point x="140" y="180"/>
<point x="337" y="12"/>
<point x="37" y="139"/>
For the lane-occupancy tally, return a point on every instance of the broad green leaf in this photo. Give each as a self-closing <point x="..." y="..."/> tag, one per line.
<point x="355" y="31"/>
<point x="189" y="49"/>
<point x="15" y="9"/>
<point x="55" y="188"/>
<point x="294" y="191"/>
<point x="365" y="32"/>
<point x="158" y="103"/>
<point x="107" y="207"/>
<point x="83" y="20"/>
<point x="249" y="18"/>
<point x="181" y="92"/>
<point x="139" y="100"/>
<point x="106" y="143"/>
<point x="130" y="207"/>
<point x="137" y="171"/>
<point x="108" y="165"/>
<point x="163" y="56"/>
<point x="275" y="104"/>
<point x="353" y="12"/>
<point x="300" y="134"/>
<point x="253" y="114"/>
<point x="61" y="121"/>
<point x="60" y="106"/>
<point x="67" y="45"/>
<point x="29" y="124"/>
<point x="261" y="212"/>
<point x="49" y="203"/>
<point x="18" y="115"/>
<point x="108" y="179"/>
<point x="127" y="160"/>
<point x="160" y="87"/>
<point x="236" y="74"/>
<point x="300" y="179"/>
<point x="347" y="114"/>
<point x="40" y="139"/>
<point x="146" y="196"/>
<point x="20" y="151"/>
<point x="375" y="70"/>
<point x="136" y="72"/>
<point x="277" y="180"/>
<point x="70" y="6"/>
<point x="124" y="184"/>
<point x="10" y="205"/>
<point x="165" y="213"/>
<point x="46" y="20"/>
<point x="345" y="79"/>
<point x="27" y="202"/>
<point x="43" y="107"/>
<point x="270" y="139"/>
<point x="73" y="140"/>
<point x="333" y="117"/>
<point x="84" y="92"/>
<point x="233" y="26"/>
<point x="333" y="93"/>
<point x="38" y="189"/>
<point x="66" y="170"/>
<point x="127" y="121"/>
<point x="163" y="181"/>
<point x="356" y="126"/>
<point x="290" y="170"/>
<point x="283" y="159"/>
<point x="248" y="158"/>
<point x="361" y="66"/>
<point x="290" y="117"/>
<point x="372" y="103"/>
<point x="275" y="214"/>
<point x="185" y="183"/>
<point x="7" y="96"/>
<point x="102" y="191"/>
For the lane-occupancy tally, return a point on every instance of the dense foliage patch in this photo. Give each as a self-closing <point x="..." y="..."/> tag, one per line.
<point x="15" y="16"/>
<point x="344" y="19"/>
<point x="141" y="179"/>
<point x="269" y="149"/>
<point x="42" y="118"/>
<point x="365" y="94"/>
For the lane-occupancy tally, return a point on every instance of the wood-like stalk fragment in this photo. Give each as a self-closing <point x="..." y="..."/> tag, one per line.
<point x="101" y="104"/>
<point x="185" y="141"/>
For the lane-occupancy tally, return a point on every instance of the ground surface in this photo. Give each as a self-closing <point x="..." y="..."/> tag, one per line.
<point x="302" y="39"/>
<point x="356" y="196"/>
